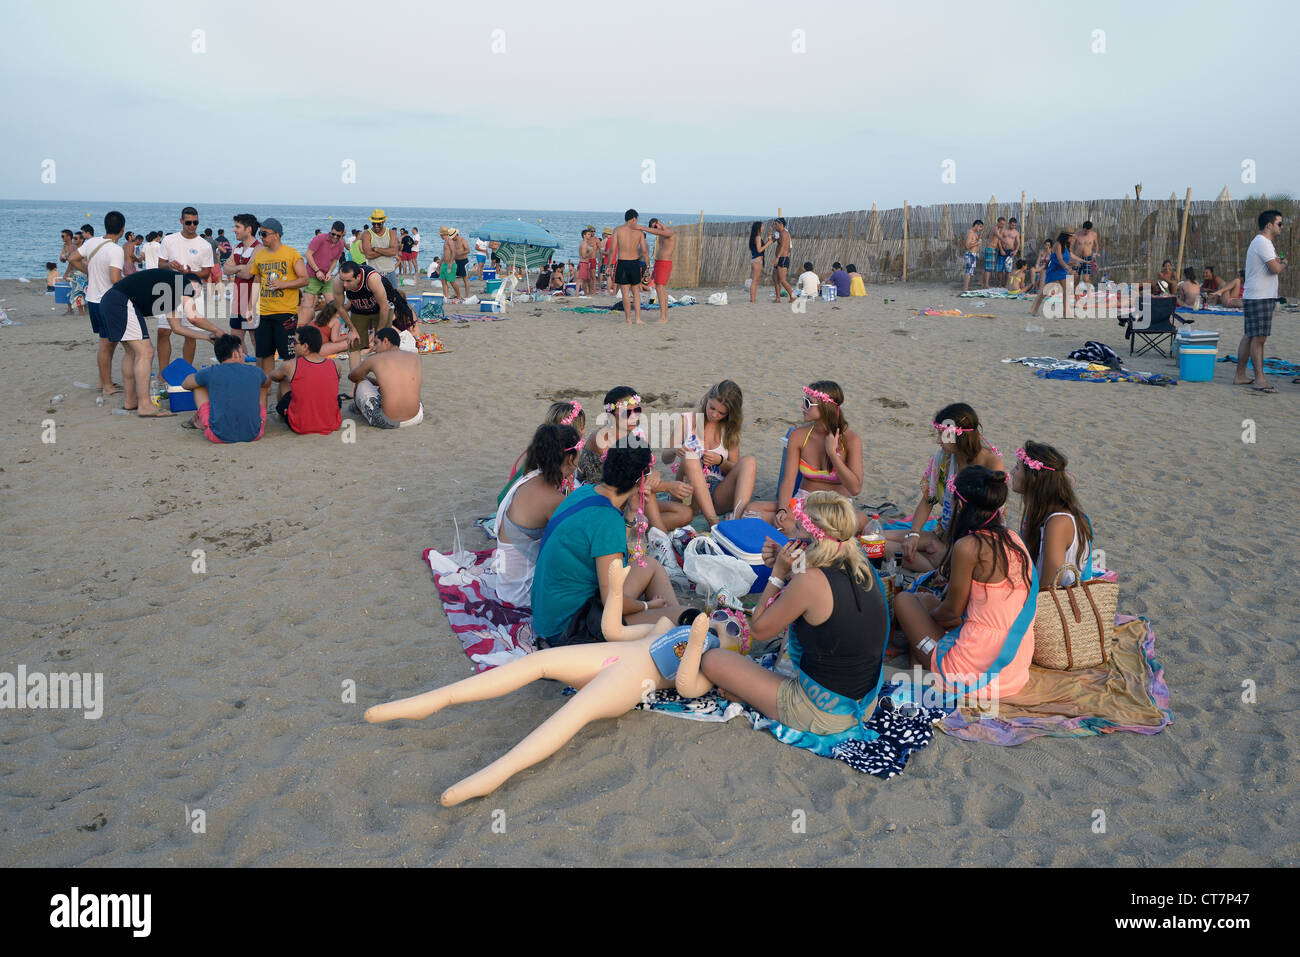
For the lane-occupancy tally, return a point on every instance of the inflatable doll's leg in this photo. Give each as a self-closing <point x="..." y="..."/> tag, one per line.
<point x="691" y="683"/>
<point x="573" y="665"/>
<point x="613" y="692"/>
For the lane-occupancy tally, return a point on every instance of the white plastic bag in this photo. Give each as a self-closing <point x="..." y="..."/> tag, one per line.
<point x="471" y="301"/>
<point x="718" y="299"/>
<point x="661" y="547"/>
<point x="712" y="569"/>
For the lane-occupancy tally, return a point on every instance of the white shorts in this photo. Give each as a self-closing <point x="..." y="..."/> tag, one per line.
<point x="134" y="331"/>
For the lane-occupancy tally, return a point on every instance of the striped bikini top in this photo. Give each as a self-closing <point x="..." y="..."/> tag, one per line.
<point x="811" y="474"/>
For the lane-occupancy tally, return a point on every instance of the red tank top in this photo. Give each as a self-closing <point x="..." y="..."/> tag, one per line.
<point x="313" y="404"/>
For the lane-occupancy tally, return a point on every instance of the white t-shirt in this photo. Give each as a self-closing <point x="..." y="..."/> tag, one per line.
<point x="415" y="247"/>
<point x="1260" y="283"/>
<point x="98" y="278"/>
<point x="481" y="247"/>
<point x="195" y="253"/>
<point x="809" y="284"/>
<point x="151" y="250"/>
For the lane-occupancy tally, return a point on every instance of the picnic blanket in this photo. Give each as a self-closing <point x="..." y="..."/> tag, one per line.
<point x="993" y="293"/>
<point x="1076" y="370"/>
<point x="1128" y="694"/>
<point x="931" y="311"/>
<point x="492" y="632"/>
<point x="1211" y="312"/>
<point x="479" y="317"/>
<point x="1273" y="366"/>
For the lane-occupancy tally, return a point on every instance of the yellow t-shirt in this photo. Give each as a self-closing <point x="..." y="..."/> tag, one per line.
<point x="269" y="265"/>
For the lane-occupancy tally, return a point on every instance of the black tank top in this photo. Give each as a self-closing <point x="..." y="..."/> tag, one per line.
<point x="843" y="653"/>
<point x="363" y="301"/>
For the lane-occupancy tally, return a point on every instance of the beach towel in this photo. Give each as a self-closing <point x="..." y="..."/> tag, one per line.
<point x="953" y="312"/>
<point x="480" y="317"/>
<point x="1102" y="374"/>
<point x="1128" y="694"/>
<point x="1212" y="311"/>
<point x="492" y="632"/>
<point x="1094" y="351"/>
<point x="993" y="294"/>
<point x="1273" y="366"/>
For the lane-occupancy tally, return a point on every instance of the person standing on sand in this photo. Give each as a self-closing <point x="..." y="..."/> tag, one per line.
<point x="415" y="251"/>
<point x="461" y="246"/>
<point x="607" y="261"/>
<point x="971" y="256"/>
<point x="186" y="252"/>
<point x="1259" y="299"/>
<point x="282" y="273"/>
<point x="243" y="307"/>
<point x="630" y="247"/>
<point x="587" y="252"/>
<point x="392" y="400"/>
<point x="780" y="272"/>
<point x="1010" y="247"/>
<point x="663" y="262"/>
<point x="102" y="261"/>
<point x="1085" y="248"/>
<point x="379" y="246"/>
<point x="323" y="252"/>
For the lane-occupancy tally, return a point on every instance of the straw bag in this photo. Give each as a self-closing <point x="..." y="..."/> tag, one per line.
<point x="1075" y="633"/>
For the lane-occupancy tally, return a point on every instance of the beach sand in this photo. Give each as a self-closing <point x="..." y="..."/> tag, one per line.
<point x="224" y="689"/>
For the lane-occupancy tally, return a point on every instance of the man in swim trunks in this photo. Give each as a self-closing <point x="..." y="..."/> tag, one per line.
<point x="1086" y="248"/>
<point x="460" y="253"/>
<point x="1010" y="248"/>
<point x="587" y="253"/>
<point x="663" y="262"/>
<point x="629" y="246"/>
<point x="392" y="399"/>
<point x="971" y="256"/>
<point x="607" y="261"/>
<point x="780" y="272"/>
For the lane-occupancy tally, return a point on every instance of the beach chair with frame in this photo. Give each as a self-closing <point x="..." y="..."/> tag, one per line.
<point x="1154" y="326"/>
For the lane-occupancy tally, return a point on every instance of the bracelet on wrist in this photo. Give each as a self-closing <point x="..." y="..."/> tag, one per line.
<point x="778" y="582"/>
<point x="912" y="535"/>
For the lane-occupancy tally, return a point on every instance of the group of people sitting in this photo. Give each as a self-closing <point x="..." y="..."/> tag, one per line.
<point x="583" y="502"/>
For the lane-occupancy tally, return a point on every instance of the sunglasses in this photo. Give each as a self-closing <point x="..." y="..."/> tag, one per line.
<point x="808" y="403"/>
<point x="264" y="233"/>
<point x="724" y="618"/>
<point x="337" y="235"/>
<point x="189" y="222"/>
<point x="632" y="410"/>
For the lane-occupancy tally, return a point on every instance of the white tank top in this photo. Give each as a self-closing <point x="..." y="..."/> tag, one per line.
<point x="1071" y="553"/>
<point x="385" y="264"/>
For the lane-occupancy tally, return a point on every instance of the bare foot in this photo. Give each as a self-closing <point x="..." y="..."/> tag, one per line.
<point x="158" y="414"/>
<point x="111" y="392"/>
<point x="1236" y="381"/>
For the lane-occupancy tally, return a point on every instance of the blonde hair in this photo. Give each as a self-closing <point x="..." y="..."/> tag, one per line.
<point x="835" y="515"/>
<point x="729" y="395"/>
<point x="559" y="411"/>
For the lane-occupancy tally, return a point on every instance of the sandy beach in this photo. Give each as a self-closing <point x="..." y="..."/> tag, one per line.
<point x="223" y="689"/>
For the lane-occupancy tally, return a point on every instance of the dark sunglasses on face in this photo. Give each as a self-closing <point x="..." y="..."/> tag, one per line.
<point x="190" y="222"/>
<point x="263" y="233"/>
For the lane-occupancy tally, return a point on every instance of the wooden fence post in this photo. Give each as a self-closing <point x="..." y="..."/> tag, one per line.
<point x="904" y="240"/>
<point x="1182" y="235"/>
<point x="699" y="254"/>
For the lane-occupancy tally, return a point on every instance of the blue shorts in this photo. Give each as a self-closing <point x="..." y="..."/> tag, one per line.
<point x="971" y="261"/>
<point x="95" y="326"/>
<point x="1007" y="263"/>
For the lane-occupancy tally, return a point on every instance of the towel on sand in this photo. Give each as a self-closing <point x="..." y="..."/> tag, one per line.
<point x="1128" y="694"/>
<point x="993" y="294"/>
<point x="492" y="632"/>
<point x="1272" y="365"/>
<point x="1078" y="371"/>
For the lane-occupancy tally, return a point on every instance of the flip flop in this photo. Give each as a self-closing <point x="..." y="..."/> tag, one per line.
<point x="189" y="424"/>
<point x="1267" y="389"/>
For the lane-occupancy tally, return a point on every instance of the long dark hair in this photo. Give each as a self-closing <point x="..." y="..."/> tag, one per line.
<point x="832" y="417"/>
<point x="1047" y="491"/>
<point x="551" y="445"/>
<point x="754" y="231"/>
<point x="977" y="506"/>
<point x="403" y="317"/>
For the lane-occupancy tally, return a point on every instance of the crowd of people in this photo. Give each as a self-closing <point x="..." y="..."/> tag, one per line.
<point x="580" y="504"/>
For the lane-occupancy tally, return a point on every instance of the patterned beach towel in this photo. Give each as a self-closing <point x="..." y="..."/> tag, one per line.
<point x="1272" y="365"/>
<point x="993" y="294"/>
<point x="492" y="632"/>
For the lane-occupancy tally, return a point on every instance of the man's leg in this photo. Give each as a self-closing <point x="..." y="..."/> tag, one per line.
<point x="141" y="356"/>
<point x="661" y="293"/>
<point x="201" y="398"/>
<point x="306" y="308"/>
<point x="1243" y="356"/>
<point x="104" y="359"/>
<point x="164" y="348"/>
<point x="1257" y="357"/>
<point x="188" y="349"/>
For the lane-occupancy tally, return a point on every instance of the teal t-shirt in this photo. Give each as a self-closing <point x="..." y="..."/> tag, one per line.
<point x="565" y="577"/>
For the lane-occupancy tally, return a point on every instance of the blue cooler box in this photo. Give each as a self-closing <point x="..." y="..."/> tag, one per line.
<point x="61" y="291"/>
<point x="489" y="306"/>
<point x="489" y="273"/>
<point x="180" y="400"/>
<point x="830" y="292"/>
<point x="743" y="538"/>
<point x="492" y="286"/>
<point x="416" y="302"/>
<point x="1197" y="353"/>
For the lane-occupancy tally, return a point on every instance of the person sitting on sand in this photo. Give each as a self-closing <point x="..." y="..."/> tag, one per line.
<point x="309" y="387"/>
<point x="976" y="638"/>
<point x="828" y="456"/>
<point x="809" y="282"/>
<point x="619" y="426"/>
<point x="823" y="589"/>
<point x="1229" y="296"/>
<point x="334" y="335"/>
<point x="1164" y="283"/>
<point x="526" y="508"/>
<point x="392" y="400"/>
<point x="857" y="284"/>
<point x="1016" y="283"/>
<point x="560" y="413"/>
<point x="711" y="465"/>
<point x="840" y="280"/>
<point x="1189" y="290"/>
<point x="1209" y="283"/>
<point x="584" y="537"/>
<point x="961" y="443"/>
<point x="231" y="395"/>
<point x="1054" y="526"/>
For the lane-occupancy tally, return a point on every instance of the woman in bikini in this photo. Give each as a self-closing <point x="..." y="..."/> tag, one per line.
<point x="1053" y="525"/>
<point x="989" y="601"/>
<point x="829" y="457"/>
<point x="710" y="461"/>
<point x="756" y="258"/>
<point x="527" y="506"/>
<point x="961" y="443"/>
<point x="623" y="406"/>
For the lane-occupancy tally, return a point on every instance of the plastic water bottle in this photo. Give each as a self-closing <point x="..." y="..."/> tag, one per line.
<point x="898" y="572"/>
<point x="56" y="400"/>
<point x="873" y="541"/>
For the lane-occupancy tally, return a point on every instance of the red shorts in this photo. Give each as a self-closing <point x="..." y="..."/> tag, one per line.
<point x="584" y="270"/>
<point x="663" y="269"/>
<point x="205" y="415"/>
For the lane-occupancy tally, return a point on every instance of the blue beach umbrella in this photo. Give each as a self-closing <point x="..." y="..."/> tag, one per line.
<point x="522" y="244"/>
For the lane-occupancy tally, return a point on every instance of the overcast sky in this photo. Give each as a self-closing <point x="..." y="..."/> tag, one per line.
<point x="565" y="106"/>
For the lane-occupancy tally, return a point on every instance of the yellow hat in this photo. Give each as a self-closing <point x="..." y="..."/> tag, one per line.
<point x="453" y="232"/>
<point x="378" y="216"/>
<point x="608" y="231"/>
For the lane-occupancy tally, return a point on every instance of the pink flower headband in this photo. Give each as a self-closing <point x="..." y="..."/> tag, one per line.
<point x="573" y="415"/>
<point x="954" y="429"/>
<point x="626" y="400"/>
<point x="819" y="396"/>
<point x="800" y="516"/>
<point x="1034" y="464"/>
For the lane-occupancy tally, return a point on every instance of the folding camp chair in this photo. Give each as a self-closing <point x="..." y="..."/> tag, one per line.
<point x="1154" y="325"/>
